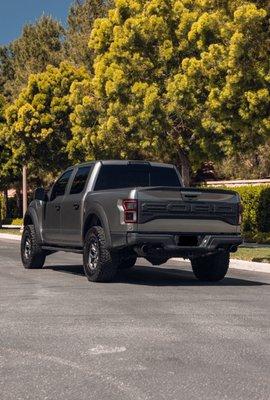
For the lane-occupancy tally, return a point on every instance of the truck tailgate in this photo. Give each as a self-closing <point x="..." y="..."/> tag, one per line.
<point x="187" y="210"/>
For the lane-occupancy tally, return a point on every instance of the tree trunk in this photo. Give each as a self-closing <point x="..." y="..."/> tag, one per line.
<point x="5" y="205"/>
<point x="185" y="168"/>
<point x="18" y="203"/>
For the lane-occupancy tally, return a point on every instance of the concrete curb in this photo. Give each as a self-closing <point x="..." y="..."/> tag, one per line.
<point x="250" y="265"/>
<point x="234" y="264"/>
<point x="241" y="264"/>
<point x="10" y="236"/>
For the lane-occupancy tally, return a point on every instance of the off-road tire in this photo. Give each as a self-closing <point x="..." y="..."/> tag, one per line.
<point x="33" y="257"/>
<point x="105" y="266"/>
<point x="127" y="262"/>
<point x="212" y="268"/>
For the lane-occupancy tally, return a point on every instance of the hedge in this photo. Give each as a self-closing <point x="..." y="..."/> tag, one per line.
<point x="12" y="221"/>
<point x="256" y="207"/>
<point x="1" y="208"/>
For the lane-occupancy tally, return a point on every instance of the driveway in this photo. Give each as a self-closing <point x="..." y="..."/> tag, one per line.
<point x="154" y="333"/>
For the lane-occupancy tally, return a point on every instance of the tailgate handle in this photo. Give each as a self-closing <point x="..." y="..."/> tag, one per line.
<point x="191" y="196"/>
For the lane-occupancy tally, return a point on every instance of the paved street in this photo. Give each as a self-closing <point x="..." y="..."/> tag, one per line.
<point x="155" y="333"/>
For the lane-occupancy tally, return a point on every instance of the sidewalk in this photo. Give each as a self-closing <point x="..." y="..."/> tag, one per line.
<point x="235" y="264"/>
<point x="241" y="264"/>
<point x="10" y="236"/>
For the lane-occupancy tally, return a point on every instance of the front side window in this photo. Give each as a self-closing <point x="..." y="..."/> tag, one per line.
<point x="80" y="179"/>
<point x="59" y="187"/>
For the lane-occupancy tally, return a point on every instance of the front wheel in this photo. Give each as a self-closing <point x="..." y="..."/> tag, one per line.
<point x="212" y="268"/>
<point x="32" y="255"/>
<point x="100" y="265"/>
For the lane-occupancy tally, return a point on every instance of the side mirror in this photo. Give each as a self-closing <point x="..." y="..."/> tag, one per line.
<point x="40" y="194"/>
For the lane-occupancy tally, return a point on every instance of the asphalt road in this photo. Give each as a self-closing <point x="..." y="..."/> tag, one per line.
<point x="155" y="333"/>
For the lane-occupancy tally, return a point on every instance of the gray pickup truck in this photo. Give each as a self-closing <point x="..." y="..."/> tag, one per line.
<point x="112" y="212"/>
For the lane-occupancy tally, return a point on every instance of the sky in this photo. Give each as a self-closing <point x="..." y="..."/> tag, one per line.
<point x="14" y="14"/>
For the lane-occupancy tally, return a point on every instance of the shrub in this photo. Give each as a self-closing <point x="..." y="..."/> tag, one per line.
<point x="12" y="221"/>
<point x="13" y="211"/>
<point x="256" y="203"/>
<point x="1" y="208"/>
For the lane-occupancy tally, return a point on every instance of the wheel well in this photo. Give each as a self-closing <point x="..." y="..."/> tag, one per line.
<point x="27" y="220"/>
<point x="92" y="220"/>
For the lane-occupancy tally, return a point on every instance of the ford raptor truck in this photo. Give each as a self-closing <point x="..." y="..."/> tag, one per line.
<point x="112" y="212"/>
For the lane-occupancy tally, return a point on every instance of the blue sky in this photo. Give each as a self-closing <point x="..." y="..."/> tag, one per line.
<point x="15" y="13"/>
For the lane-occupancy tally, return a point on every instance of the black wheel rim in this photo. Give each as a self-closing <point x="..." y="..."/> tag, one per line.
<point x="27" y="247"/>
<point x="93" y="255"/>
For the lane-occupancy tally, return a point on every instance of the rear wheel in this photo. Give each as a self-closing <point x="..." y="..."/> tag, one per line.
<point x="32" y="255"/>
<point x="100" y="265"/>
<point x="212" y="268"/>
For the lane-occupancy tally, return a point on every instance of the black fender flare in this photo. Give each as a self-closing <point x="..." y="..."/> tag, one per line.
<point x="32" y="215"/>
<point x="97" y="209"/>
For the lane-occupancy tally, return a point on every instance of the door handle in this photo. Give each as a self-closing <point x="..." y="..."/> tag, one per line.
<point x="76" y="206"/>
<point x="57" y="207"/>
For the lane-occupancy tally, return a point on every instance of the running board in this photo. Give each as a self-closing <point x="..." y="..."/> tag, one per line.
<point x="65" y="249"/>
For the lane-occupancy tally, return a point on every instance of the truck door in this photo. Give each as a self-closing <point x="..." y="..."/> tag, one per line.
<point x="52" y="211"/>
<point x="72" y="208"/>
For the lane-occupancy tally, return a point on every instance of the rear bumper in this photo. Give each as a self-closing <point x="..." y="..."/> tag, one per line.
<point x="169" y="243"/>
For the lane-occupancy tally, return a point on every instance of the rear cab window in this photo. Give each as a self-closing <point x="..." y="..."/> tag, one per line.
<point x="136" y="175"/>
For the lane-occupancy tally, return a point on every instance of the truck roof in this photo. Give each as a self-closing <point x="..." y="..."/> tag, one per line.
<point x="125" y="162"/>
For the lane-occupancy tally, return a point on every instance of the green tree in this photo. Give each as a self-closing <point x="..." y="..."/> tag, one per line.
<point x="6" y="71"/>
<point x="38" y="122"/>
<point x="81" y="17"/>
<point x="40" y="44"/>
<point x="85" y="117"/>
<point x="7" y="176"/>
<point x="182" y="80"/>
<point x="225" y="80"/>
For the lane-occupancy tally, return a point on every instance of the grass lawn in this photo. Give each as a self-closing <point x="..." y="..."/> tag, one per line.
<point x="11" y="231"/>
<point x="261" y="254"/>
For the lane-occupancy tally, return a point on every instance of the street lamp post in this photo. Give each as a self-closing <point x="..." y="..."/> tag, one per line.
<point x="24" y="189"/>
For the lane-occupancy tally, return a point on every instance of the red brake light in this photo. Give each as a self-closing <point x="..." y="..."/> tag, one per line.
<point x="130" y="211"/>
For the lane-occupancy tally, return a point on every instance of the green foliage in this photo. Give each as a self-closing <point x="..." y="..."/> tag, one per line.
<point x="182" y="78"/>
<point x="180" y="81"/>
<point x="1" y="208"/>
<point x="257" y="237"/>
<point x="81" y="17"/>
<point x="39" y="45"/>
<point x="256" y="204"/>
<point x="87" y="109"/>
<point x="6" y="70"/>
<point x="226" y="77"/>
<point x="6" y="174"/>
<point x="254" y="164"/>
<point x="38" y="122"/>
<point x="13" y="221"/>
<point x="12" y="211"/>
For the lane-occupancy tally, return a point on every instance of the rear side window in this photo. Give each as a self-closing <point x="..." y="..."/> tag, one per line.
<point x="124" y="176"/>
<point x="59" y="187"/>
<point x="80" y="179"/>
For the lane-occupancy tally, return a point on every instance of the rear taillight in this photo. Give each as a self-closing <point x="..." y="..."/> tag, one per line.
<point x="130" y="211"/>
<point x="240" y="213"/>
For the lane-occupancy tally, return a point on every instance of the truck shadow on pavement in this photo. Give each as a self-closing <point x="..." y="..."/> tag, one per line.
<point x="159" y="276"/>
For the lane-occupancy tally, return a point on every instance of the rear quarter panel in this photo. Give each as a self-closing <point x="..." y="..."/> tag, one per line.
<point x="110" y="201"/>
